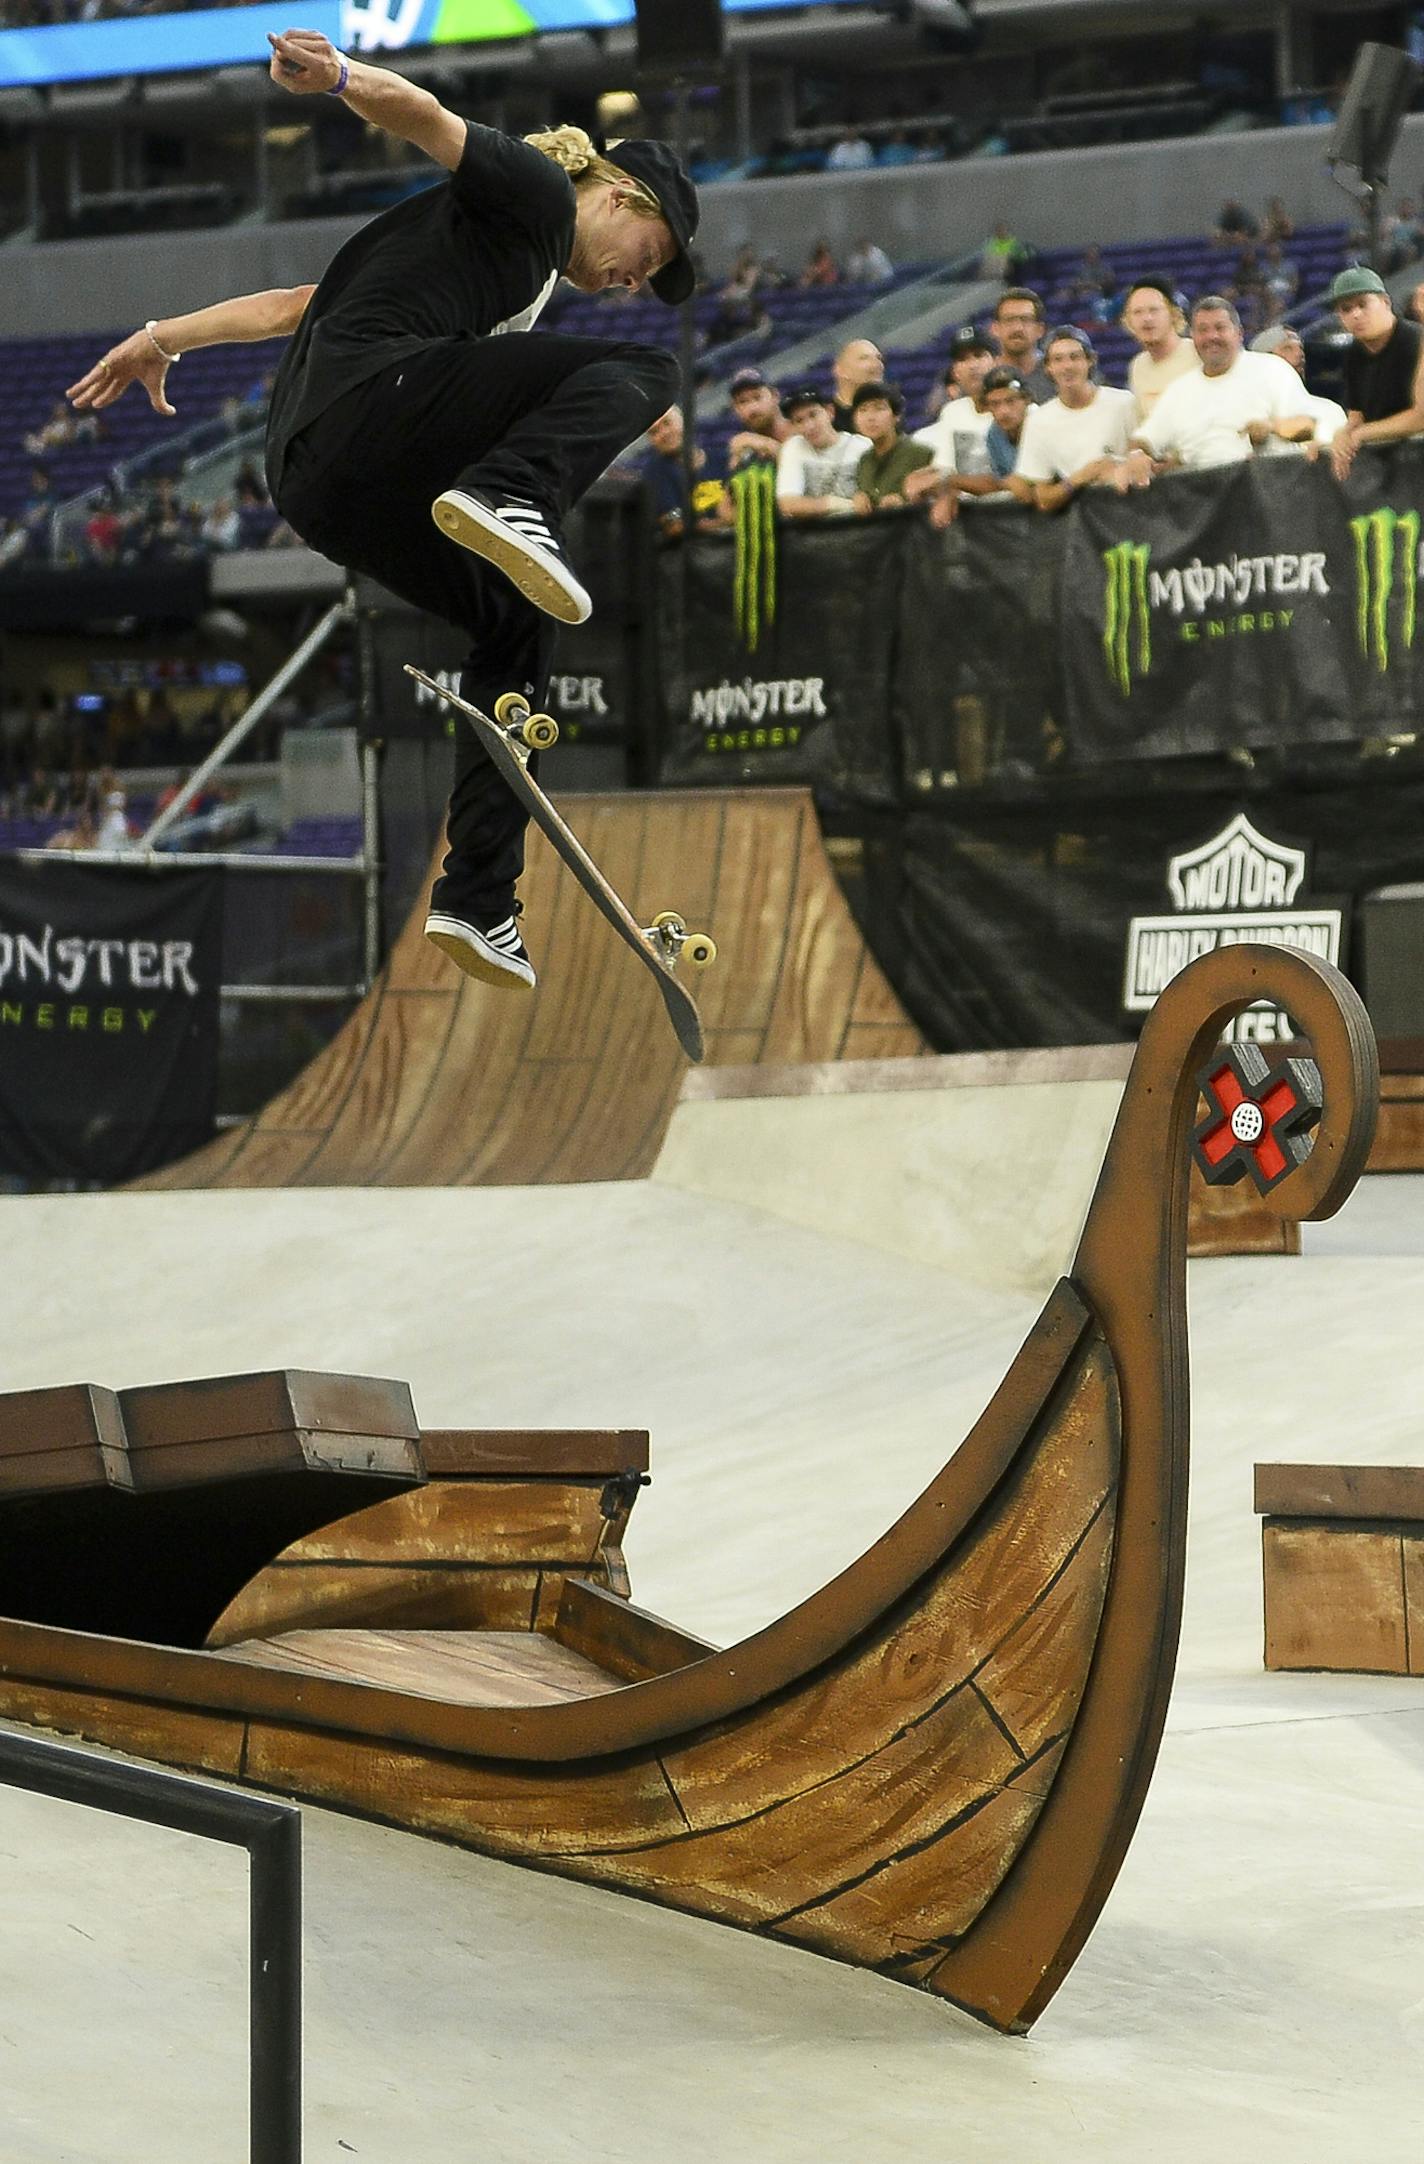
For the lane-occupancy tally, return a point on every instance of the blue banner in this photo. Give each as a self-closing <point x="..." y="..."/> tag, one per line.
<point x="205" y="37"/>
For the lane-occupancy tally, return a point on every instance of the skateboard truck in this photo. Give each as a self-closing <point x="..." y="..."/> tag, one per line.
<point x="526" y="731"/>
<point x="670" y="940"/>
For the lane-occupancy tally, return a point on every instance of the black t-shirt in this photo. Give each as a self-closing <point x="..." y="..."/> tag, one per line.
<point x="1380" y="384"/>
<point x="479" y="254"/>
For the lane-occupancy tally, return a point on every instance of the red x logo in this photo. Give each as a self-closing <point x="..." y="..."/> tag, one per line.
<point x="1259" y="1117"/>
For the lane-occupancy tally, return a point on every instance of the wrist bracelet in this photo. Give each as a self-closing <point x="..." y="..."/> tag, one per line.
<point x="338" y="88"/>
<point x="152" y="329"/>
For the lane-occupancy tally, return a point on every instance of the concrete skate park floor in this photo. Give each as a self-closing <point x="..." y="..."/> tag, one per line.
<point x="1256" y="1983"/>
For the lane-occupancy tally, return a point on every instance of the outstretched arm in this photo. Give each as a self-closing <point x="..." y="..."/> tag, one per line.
<point x="145" y="356"/>
<point x="303" y="61"/>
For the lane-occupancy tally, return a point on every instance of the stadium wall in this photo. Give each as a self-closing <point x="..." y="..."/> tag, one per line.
<point x="1052" y="198"/>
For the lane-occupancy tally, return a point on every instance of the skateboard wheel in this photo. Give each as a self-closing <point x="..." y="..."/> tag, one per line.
<point x="510" y="709"/>
<point x="700" y="950"/>
<point x="540" y="732"/>
<point x="668" y="920"/>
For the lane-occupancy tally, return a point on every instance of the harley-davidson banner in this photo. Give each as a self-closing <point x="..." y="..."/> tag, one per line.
<point x="109" y="985"/>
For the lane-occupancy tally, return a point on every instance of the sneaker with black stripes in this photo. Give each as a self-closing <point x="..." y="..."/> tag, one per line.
<point x="520" y="541"/>
<point x="493" y="952"/>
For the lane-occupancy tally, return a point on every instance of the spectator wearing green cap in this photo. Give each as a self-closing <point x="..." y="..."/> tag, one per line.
<point x="1384" y="367"/>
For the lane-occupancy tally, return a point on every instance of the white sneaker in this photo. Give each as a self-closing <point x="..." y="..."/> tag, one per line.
<point x="518" y="539"/>
<point x="493" y="953"/>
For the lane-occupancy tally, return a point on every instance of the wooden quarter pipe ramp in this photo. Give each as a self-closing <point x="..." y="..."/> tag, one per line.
<point x="437" y="1081"/>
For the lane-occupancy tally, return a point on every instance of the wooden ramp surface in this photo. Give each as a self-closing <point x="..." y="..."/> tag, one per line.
<point x="437" y="1081"/>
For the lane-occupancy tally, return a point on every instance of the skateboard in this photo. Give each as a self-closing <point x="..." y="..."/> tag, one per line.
<point x="509" y="738"/>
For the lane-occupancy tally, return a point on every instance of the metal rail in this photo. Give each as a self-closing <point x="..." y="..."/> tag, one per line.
<point x="187" y="860"/>
<point x="340" y="612"/>
<point x="272" y="1835"/>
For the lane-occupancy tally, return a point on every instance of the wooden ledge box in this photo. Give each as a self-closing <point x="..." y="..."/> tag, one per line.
<point x="1343" y="1561"/>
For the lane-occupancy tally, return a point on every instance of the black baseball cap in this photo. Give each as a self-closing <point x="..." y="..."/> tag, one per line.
<point x="968" y="341"/>
<point x="807" y="394"/>
<point x="655" y="165"/>
<point x="748" y="379"/>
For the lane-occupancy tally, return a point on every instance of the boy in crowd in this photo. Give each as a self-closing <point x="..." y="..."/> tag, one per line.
<point x="878" y="409"/>
<point x="1083" y="432"/>
<point x="817" y="465"/>
<point x="1150" y="313"/>
<point x="956" y="434"/>
<point x="1384" y="367"/>
<point x="1008" y="406"/>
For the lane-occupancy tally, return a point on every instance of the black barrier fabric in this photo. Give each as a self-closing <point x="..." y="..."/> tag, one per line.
<point x="109" y="984"/>
<point x="1253" y="606"/>
<point x="1008" y="926"/>
<point x="594" y="691"/>
<point x="804" y="696"/>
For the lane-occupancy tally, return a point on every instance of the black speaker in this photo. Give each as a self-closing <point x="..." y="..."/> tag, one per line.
<point x="674" y="35"/>
<point x="1392" y="959"/>
<point x="1377" y="97"/>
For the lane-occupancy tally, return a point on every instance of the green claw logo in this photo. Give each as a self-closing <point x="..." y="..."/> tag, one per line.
<point x="753" y="491"/>
<point x="1125" y="611"/>
<point x="1385" y="542"/>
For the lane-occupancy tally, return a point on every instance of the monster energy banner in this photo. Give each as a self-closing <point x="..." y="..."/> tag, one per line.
<point x="777" y="654"/>
<point x="109" y="985"/>
<point x="1251" y="605"/>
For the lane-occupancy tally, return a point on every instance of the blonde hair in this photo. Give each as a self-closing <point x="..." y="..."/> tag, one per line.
<point x="574" y="150"/>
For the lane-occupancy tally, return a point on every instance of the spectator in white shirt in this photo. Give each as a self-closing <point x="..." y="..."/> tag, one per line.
<point x="850" y="153"/>
<point x="1286" y="342"/>
<point x="869" y="265"/>
<point x="816" y="466"/>
<point x="956" y="436"/>
<point x="1235" y="404"/>
<point x="1151" y="314"/>
<point x="1082" y="434"/>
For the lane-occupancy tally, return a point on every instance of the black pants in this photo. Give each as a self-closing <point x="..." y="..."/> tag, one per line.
<point x="538" y="417"/>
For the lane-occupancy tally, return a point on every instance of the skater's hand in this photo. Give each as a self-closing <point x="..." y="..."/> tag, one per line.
<point x="136" y="359"/>
<point x="304" y="61"/>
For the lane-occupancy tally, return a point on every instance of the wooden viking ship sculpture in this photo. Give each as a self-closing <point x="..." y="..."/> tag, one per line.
<point x="932" y="1767"/>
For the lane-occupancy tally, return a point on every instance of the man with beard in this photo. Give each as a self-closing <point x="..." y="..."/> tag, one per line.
<point x="1017" y="329"/>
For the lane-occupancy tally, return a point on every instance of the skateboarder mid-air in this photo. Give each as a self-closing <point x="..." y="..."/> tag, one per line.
<point x="409" y="439"/>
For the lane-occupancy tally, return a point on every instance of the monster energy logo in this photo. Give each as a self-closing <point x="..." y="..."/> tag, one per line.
<point x="1125" y="611"/>
<point x="1384" y="540"/>
<point x="753" y="489"/>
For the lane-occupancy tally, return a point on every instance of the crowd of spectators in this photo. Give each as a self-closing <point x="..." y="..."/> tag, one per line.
<point x="144" y="525"/>
<point x="1021" y="412"/>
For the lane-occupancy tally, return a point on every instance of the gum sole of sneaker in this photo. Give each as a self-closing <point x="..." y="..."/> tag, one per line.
<point x="472" y="963"/>
<point x="535" y="582"/>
